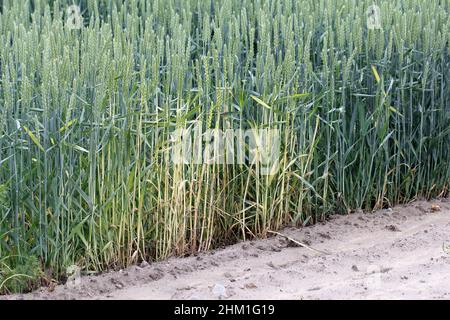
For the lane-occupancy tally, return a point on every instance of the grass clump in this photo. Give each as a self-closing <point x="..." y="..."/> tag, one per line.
<point x="23" y="277"/>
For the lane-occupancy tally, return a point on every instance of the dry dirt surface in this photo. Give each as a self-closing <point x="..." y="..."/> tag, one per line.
<point x="398" y="253"/>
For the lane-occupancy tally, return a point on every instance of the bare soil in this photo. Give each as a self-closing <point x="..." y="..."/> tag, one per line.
<point x="398" y="253"/>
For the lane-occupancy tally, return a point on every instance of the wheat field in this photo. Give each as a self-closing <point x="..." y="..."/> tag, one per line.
<point x="86" y="117"/>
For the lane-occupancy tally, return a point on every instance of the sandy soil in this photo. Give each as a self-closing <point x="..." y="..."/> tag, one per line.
<point x="399" y="253"/>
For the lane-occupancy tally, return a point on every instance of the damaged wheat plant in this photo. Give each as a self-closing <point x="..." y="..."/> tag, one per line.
<point x="89" y="105"/>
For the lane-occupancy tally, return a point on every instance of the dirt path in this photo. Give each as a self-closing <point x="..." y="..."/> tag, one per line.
<point x="397" y="253"/>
